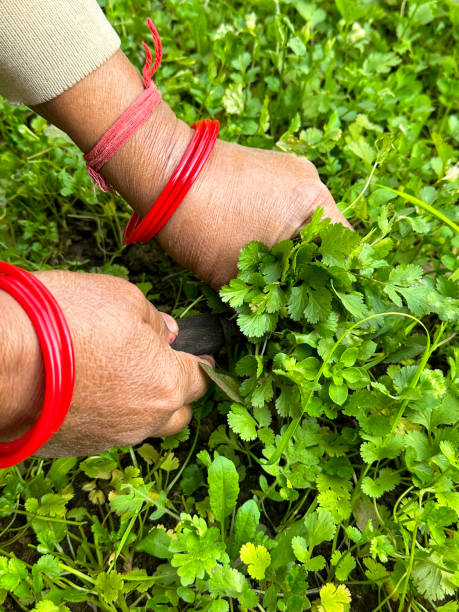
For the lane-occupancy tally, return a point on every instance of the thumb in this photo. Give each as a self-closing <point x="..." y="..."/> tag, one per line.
<point x="321" y="196"/>
<point x="162" y="323"/>
<point x="331" y="210"/>
<point x="192" y="379"/>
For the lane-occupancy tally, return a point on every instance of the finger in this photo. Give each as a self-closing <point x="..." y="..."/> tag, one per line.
<point x="179" y="419"/>
<point x="161" y="322"/>
<point x="190" y="376"/>
<point x="323" y="198"/>
<point x="331" y="210"/>
<point x="172" y="327"/>
<point x="207" y="360"/>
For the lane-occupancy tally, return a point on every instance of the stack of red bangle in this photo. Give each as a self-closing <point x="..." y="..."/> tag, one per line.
<point x="58" y="356"/>
<point x="187" y="171"/>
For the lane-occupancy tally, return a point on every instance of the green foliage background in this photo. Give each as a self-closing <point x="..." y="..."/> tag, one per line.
<point x="332" y="473"/>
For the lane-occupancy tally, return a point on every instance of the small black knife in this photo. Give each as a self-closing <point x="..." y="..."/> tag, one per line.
<point x="204" y="334"/>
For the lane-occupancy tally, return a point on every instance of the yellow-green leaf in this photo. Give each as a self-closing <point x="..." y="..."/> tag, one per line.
<point x="334" y="598"/>
<point x="257" y="558"/>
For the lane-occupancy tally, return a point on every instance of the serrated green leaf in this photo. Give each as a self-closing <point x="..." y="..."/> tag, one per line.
<point x="241" y="422"/>
<point x="196" y="549"/>
<point x="335" y="598"/>
<point x="431" y="581"/>
<point x="235" y="292"/>
<point x="228" y="582"/>
<point x="257" y="325"/>
<point x="314" y="564"/>
<point x="405" y="275"/>
<point x="344" y="564"/>
<point x="49" y="565"/>
<point x="375" y="571"/>
<point x="386" y="480"/>
<point x="353" y="302"/>
<point x="338" y="243"/>
<point x="109" y="585"/>
<point x="252" y="255"/>
<point x="319" y="527"/>
<point x="257" y="559"/>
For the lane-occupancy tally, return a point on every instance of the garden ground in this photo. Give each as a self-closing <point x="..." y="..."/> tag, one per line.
<point x="329" y="479"/>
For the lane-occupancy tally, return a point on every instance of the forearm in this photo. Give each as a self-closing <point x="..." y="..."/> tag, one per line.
<point x="62" y="58"/>
<point x="21" y="370"/>
<point x="141" y="168"/>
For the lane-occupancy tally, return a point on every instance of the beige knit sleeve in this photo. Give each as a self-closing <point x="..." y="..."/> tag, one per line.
<point x="46" y="46"/>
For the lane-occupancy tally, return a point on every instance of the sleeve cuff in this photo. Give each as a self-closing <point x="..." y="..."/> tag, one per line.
<point x="46" y="46"/>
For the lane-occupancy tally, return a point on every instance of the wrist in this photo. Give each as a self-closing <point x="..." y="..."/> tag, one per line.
<point x="141" y="168"/>
<point x="21" y="370"/>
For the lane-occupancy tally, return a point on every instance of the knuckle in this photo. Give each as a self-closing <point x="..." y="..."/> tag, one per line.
<point x="132" y="292"/>
<point x="306" y="168"/>
<point x="314" y="192"/>
<point x="323" y="195"/>
<point x="126" y="292"/>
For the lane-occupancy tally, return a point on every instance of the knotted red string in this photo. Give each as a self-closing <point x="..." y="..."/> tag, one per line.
<point x="147" y="73"/>
<point x="132" y="118"/>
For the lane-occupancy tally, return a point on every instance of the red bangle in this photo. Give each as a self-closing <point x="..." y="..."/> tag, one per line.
<point x="185" y="175"/>
<point x="57" y="349"/>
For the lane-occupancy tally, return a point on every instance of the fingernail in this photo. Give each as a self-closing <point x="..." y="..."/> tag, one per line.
<point x="171" y="325"/>
<point x="207" y="360"/>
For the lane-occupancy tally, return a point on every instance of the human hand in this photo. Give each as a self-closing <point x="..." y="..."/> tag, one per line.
<point x="243" y="194"/>
<point x="129" y="384"/>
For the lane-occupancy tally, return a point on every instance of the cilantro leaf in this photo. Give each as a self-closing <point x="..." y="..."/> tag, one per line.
<point x="257" y="558"/>
<point x="236" y="292"/>
<point x="241" y="422"/>
<point x="196" y="550"/>
<point x="109" y="585"/>
<point x="257" y="325"/>
<point x="381" y="448"/>
<point x="431" y="581"/>
<point x="375" y="571"/>
<point x="344" y="564"/>
<point x="319" y="527"/>
<point x="338" y="243"/>
<point x="354" y="303"/>
<point x="228" y="582"/>
<point x="386" y="480"/>
<point x="252" y="255"/>
<point x="334" y="598"/>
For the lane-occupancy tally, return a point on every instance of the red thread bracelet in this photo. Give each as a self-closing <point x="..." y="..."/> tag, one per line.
<point x="57" y="349"/>
<point x="132" y="118"/>
<point x="187" y="171"/>
<point x="118" y="134"/>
